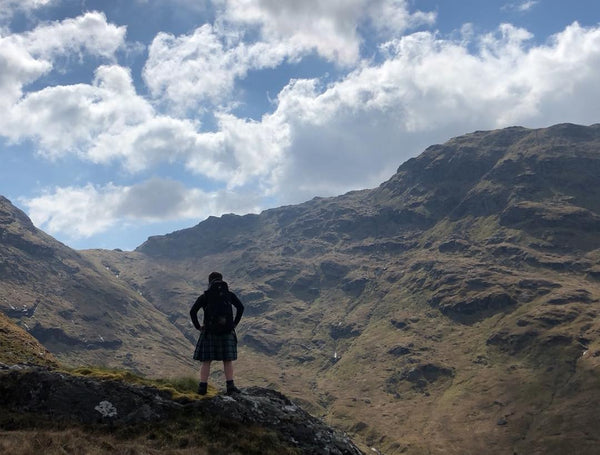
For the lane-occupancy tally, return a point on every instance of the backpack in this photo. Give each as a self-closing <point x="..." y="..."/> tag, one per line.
<point x="218" y="314"/>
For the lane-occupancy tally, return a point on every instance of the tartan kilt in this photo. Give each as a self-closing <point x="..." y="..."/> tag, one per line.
<point x="212" y="346"/>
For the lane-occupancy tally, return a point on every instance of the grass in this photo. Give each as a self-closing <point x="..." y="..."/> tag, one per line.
<point x="180" y="389"/>
<point x="194" y="435"/>
<point x="17" y="346"/>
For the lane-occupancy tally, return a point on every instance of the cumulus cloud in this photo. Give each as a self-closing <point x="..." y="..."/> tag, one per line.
<point x="203" y="66"/>
<point x="347" y="135"/>
<point x="89" y="33"/>
<point x="330" y="28"/>
<point x="9" y="7"/>
<point x="84" y="211"/>
<point x="70" y="119"/>
<point x="26" y="57"/>
<point x="189" y="70"/>
<point x="319" y="139"/>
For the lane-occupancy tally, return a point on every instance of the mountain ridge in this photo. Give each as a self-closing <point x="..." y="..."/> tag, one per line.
<point x="486" y="242"/>
<point x="452" y="309"/>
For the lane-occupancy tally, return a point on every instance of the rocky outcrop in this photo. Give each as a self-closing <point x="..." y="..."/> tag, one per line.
<point x="70" y="398"/>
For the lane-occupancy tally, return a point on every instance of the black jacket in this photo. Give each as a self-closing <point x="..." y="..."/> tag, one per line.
<point x="202" y="301"/>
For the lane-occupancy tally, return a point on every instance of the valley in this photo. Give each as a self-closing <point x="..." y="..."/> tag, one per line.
<point x="451" y="310"/>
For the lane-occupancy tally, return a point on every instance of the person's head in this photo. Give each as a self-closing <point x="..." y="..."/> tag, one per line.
<point x="214" y="276"/>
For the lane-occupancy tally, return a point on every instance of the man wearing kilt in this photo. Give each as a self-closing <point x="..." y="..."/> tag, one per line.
<point x="218" y="340"/>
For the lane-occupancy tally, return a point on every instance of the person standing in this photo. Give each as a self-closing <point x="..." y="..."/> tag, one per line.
<point x="218" y="340"/>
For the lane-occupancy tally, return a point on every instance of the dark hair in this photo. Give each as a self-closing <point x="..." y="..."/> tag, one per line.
<point x="214" y="276"/>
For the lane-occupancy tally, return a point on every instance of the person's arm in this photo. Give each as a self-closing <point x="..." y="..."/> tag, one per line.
<point x="194" y="312"/>
<point x="239" y="309"/>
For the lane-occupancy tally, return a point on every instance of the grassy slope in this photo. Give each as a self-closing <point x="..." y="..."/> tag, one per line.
<point x="17" y="346"/>
<point x="24" y="433"/>
<point x="82" y="312"/>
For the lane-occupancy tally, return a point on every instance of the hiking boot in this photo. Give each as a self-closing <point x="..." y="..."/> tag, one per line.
<point x="232" y="390"/>
<point x="202" y="388"/>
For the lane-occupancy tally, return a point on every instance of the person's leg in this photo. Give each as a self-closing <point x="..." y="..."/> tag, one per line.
<point x="204" y="372"/>
<point x="228" y="369"/>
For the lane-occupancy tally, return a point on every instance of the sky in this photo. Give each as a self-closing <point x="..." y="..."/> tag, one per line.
<point x="125" y="119"/>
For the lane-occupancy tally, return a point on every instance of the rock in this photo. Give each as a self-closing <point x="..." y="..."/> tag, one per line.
<point x="475" y="305"/>
<point x="87" y="400"/>
<point x="453" y="246"/>
<point x="306" y="288"/>
<point x="399" y="351"/>
<point x="271" y="409"/>
<point x="513" y="342"/>
<point x="399" y="324"/>
<point x="420" y="376"/>
<point x="340" y="330"/>
<point x="354" y="287"/>
<point x="333" y="270"/>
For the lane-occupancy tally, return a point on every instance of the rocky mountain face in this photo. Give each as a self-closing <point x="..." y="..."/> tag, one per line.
<point x="451" y="310"/>
<point x="81" y="312"/>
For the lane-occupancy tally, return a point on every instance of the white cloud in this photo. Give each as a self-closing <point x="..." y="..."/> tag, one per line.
<point x="203" y="67"/>
<point x="71" y="118"/>
<point x="330" y="28"/>
<point x="76" y="212"/>
<point x="319" y="139"/>
<point x="89" y="33"/>
<point x="79" y="212"/>
<point x="242" y="151"/>
<point x="521" y="6"/>
<point x="349" y="134"/>
<point x="26" y="57"/>
<point x="9" y="7"/>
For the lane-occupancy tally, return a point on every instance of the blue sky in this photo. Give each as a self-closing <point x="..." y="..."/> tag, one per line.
<point x="122" y="120"/>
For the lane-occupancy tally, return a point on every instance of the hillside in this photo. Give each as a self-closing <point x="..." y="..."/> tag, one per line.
<point x="82" y="313"/>
<point x="45" y="408"/>
<point x="19" y="347"/>
<point x="453" y="309"/>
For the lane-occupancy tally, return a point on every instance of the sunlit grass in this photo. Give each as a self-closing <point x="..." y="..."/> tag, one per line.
<point x="180" y="388"/>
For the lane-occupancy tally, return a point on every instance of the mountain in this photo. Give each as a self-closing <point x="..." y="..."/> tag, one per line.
<point x="78" y="310"/>
<point x="453" y="309"/>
